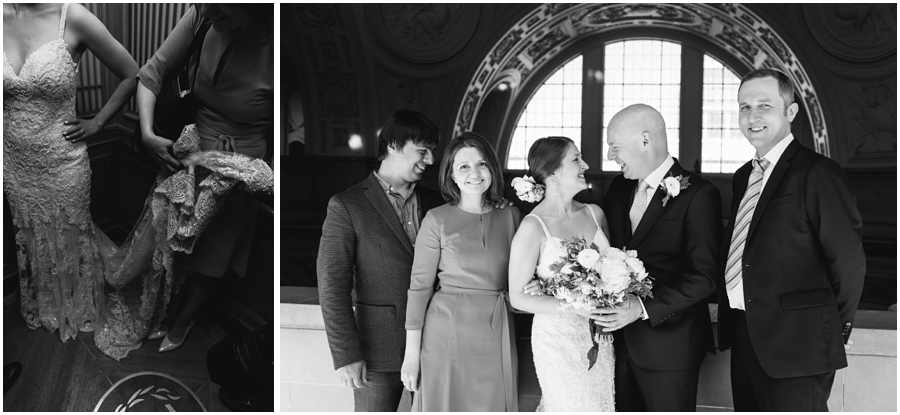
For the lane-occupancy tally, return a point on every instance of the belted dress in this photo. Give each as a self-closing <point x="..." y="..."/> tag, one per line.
<point x="234" y="89"/>
<point x="468" y="352"/>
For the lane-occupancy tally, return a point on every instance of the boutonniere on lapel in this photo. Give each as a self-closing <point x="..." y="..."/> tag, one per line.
<point x="673" y="185"/>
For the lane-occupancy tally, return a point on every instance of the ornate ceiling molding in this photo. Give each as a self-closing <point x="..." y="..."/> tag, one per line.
<point x="427" y="33"/>
<point x="552" y="28"/>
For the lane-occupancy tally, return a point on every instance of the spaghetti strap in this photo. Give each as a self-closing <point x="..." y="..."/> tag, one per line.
<point x="546" y="231"/>
<point x="594" y="217"/>
<point x="62" y="21"/>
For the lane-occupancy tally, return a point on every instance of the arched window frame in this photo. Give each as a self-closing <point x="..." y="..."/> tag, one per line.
<point x="693" y="50"/>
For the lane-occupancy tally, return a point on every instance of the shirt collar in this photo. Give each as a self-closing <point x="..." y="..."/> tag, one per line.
<point x="775" y="153"/>
<point x="390" y="189"/>
<point x="653" y="179"/>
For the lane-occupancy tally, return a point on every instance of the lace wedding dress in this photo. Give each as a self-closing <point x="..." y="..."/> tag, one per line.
<point x="560" y="343"/>
<point x="72" y="277"/>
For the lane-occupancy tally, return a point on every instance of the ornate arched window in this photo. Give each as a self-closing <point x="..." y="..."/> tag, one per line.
<point x="624" y="71"/>
<point x="718" y="43"/>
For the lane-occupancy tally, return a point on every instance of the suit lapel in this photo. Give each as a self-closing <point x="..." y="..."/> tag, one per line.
<point x="654" y="209"/>
<point x="382" y="205"/>
<point x="772" y="184"/>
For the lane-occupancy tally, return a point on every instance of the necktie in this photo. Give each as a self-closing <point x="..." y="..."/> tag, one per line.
<point x="639" y="206"/>
<point x="742" y="223"/>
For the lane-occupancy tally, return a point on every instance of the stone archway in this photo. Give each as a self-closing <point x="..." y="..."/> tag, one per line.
<point x="551" y="28"/>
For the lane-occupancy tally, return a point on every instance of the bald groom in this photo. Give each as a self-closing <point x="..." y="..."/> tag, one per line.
<point x="676" y="230"/>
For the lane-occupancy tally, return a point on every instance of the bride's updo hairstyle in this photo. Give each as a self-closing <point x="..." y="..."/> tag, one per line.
<point x="545" y="157"/>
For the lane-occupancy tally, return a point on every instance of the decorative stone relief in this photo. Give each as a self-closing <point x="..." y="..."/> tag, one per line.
<point x="337" y="94"/>
<point x="854" y="32"/>
<point x="424" y="33"/>
<point x="323" y="18"/>
<point x="874" y="109"/>
<point x="329" y="51"/>
<point x="396" y="93"/>
<point x="551" y="29"/>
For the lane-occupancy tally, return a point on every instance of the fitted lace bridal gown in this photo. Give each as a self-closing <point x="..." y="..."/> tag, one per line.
<point x="47" y="181"/>
<point x="560" y="343"/>
<point x="72" y="277"/>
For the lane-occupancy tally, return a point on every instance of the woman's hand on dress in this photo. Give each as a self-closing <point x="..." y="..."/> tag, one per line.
<point x="79" y="129"/>
<point x="533" y="288"/>
<point x="160" y="148"/>
<point x="409" y="373"/>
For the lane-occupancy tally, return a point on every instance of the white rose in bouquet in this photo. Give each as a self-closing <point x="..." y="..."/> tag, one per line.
<point x="614" y="254"/>
<point x="615" y="275"/>
<point x="636" y="266"/>
<point x="588" y="257"/>
<point x="673" y="186"/>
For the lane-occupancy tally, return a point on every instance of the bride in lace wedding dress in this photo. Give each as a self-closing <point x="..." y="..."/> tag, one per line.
<point x="560" y="339"/>
<point x="72" y="276"/>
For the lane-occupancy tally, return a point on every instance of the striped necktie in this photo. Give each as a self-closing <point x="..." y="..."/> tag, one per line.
<point x="639" y="206"/>
<point x="742" y="223"/>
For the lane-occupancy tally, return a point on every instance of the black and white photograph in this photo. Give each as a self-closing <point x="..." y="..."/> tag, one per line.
<point x="587" y="207"/>
<point x="138" y="190"/>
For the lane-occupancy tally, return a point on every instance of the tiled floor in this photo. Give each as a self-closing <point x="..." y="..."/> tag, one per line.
<point x="73" y="376"/>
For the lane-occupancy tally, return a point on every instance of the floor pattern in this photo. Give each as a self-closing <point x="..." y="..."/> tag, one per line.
<point x="73" y="376"/>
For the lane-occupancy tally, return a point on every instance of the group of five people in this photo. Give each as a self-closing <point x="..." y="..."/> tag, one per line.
<point x="436" y="283"/>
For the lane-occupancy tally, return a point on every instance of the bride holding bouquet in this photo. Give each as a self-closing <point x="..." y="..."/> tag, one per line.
<point x="560" y="336"/>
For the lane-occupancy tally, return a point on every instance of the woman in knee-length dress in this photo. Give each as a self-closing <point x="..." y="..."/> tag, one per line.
<point x="560" y="339"/>
<point x="460" y="336"/>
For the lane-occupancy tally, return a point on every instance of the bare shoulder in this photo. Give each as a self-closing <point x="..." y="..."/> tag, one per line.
<point x="530" y="228"/>
<point x="598" y="211"/>
<point x="80" y="20"/>
<point x="78" y="14"/>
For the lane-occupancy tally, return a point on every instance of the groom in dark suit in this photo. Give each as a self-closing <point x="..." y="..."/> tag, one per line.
<point x="367" y="246"/>
<point x="673" y="219"/>
<point x="793" y="260"/>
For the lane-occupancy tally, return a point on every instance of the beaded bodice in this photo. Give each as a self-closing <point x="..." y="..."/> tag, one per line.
<point x="50" y="174"/>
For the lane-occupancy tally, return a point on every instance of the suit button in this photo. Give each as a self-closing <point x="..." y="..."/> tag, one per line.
<point x="748" y="266"/>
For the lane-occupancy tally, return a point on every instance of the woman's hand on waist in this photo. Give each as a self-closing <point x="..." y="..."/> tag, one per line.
<point x="78" y="129"/>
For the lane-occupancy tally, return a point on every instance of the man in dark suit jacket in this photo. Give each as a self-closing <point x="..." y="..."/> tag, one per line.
<point x="367" y="245"/>
<point x="792" y="258"/>
<point x="673" y="219"/>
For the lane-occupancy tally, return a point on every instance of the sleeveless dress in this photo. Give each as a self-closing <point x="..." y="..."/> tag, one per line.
<point x="560" y="343"/>
<point x="72" y="277"/>
<point x="48" y="184"/>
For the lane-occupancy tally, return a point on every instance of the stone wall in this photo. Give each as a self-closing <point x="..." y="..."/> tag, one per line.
<point x="309" y="382"/>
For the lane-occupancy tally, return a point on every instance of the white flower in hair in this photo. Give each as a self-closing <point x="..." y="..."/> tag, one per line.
<point x="527" y="190"/>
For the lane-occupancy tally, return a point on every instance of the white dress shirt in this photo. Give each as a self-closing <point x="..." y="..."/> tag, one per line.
<point x="736" y="295"/>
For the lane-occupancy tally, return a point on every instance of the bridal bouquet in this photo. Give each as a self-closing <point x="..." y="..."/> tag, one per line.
<point x="586" y="277"/>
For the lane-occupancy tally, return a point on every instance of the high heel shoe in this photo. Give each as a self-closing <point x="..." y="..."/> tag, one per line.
<point x="168" y="346"/>
<point x="157" y="334"/>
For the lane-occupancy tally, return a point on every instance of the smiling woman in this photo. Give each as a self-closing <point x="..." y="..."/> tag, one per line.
<point x="460" y="338"/>
<point x="470" y="174"/>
